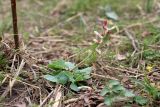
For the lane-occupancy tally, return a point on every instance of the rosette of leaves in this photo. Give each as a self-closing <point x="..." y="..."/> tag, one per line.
<point x="114" y="92"/>
<point x="67" y="72"/>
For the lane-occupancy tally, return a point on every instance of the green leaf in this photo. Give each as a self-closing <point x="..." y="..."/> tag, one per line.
<point x="128" y="94"/>
<point x="51" y="78"/>
<point x="86" y="70"/>
<point x="58" y="64"/>
<point x="117" y="88"/>
<point x="74" y="87"/>
<point x="104" y="91"/>
<point x="79" y="77"/>
<point x="110" y="13"/>
<point x="157" y="96"/>
<point x="113" y="82"/>
<point x="137" y="82"/>
<point x="62" y="78"/>
<point x="108" y="101"/>
<point x="140" y="100"/>
<point x="70" y="76"/>
<point x="85" y="73"/>
<point x="70" y="65"/>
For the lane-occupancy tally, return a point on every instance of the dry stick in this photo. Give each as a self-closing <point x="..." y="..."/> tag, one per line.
<point x="45" y="100"/>
<point x="72" y="100"/>
<point x="103" y="76"/>
<point x="8" y="89"/>
<point x="133" y="40"/>
<point x="101" y="105"/>
<point x="154" y="46"/>
<point x="14" y="19"/>
<point x="54" y="92"/>
<point x="25" y="83"/>
<point x="122" y="70"/>
<point x="58" y="97"/>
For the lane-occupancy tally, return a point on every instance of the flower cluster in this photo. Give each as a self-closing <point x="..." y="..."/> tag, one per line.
<point x="106" y="31"/>
<point x="100" y="37"/>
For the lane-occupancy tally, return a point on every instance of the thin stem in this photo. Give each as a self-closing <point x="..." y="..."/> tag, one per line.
<point x="149" y="5"/>
<point x="15" y="27"/>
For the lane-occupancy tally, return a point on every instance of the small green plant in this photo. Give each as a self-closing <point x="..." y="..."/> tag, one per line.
<point x="66" y="72"/>
<point x="90" y="53"/>
<point x="140" y="100"/>
<point x="153" y="93"/>
<point x="151" y="55"/>
<point x="114" y="92"/>
<point x="87" y="55"/>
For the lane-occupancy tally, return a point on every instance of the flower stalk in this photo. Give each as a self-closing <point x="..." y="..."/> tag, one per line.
<point x="14" y="21"/>
<point x="149" y="5"/>
<point x="102" y="37"/>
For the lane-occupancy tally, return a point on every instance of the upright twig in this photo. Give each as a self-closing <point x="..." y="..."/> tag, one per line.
<point x="15" y="27"/>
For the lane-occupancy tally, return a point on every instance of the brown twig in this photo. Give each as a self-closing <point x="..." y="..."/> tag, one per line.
<point x="133" y="71"/>
<point x="15" y="27"/>
<point x="72" y="100"/>
<point x="45" y="100"/>
<point x="133" y="40"/>
<point x="103" y="76"/>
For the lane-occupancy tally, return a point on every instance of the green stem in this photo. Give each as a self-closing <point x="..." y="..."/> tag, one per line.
<point x="149" y="5"/>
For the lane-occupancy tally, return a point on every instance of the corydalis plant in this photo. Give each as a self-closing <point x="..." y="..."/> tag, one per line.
<point x="89" y="54"/>
<point x="101" y="38"/>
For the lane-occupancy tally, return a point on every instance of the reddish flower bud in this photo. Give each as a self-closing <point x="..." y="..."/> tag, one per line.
<point x="105" y="25"/>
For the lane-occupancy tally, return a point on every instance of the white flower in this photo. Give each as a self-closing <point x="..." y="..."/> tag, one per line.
<point x="98" y="34"/>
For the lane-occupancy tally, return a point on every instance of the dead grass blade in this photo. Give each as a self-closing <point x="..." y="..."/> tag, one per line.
<point x="58" y="97"/>
<point x="11" y="83"/>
